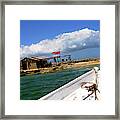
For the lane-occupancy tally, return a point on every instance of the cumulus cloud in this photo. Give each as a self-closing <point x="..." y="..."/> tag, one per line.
<point x="66" y="42"/>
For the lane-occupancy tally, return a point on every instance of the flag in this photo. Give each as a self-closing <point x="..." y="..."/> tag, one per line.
<point x="58" y="52"/>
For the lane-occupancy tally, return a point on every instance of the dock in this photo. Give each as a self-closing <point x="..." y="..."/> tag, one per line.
<point x="73" y="90"/>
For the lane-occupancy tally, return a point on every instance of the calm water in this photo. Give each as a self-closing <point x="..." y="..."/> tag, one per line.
<point x="33" y="87"/>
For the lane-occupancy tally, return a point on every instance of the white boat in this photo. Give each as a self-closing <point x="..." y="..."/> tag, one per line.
<point x="73" y="90"/>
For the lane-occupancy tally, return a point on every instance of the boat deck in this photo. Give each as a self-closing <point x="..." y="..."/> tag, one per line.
<point x="73" y="90"/>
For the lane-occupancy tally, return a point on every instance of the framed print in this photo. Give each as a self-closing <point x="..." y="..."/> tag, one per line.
<point x="59" y="60"/>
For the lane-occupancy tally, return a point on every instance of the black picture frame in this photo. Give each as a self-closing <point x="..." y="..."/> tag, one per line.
<point x="2" y="56"/>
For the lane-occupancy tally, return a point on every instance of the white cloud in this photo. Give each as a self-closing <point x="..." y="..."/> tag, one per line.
<point x="65" y="42"/>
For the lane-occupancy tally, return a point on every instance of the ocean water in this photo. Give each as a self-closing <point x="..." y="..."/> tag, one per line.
<point x="33" y="87"/>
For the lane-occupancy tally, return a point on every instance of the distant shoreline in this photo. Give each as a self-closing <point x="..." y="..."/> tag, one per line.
<point x="61" y="66"/>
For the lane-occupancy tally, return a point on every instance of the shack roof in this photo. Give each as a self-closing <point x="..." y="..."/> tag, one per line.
<point x="42" y="58"/>
<point x="33" y="58"/>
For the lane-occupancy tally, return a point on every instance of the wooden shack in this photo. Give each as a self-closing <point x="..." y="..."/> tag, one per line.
<point x="33" y="63"/>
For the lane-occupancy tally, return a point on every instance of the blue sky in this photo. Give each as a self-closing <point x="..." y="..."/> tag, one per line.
<point x="33" y="31"/>
<point x="38" y="32"/>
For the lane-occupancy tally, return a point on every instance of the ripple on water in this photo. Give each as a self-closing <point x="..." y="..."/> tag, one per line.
<point x="33" y="87"/>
